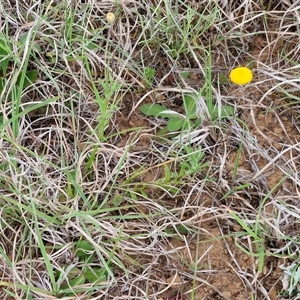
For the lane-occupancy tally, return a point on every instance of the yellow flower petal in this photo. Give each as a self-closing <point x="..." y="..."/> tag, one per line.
<point x="241" y="75"/>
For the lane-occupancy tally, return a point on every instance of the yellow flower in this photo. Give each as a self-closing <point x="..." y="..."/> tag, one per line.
<point x="241" y="75"/>
<point x="110" y="17"/>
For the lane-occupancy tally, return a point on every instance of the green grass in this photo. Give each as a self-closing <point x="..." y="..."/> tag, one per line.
<point x="128" y="157"/>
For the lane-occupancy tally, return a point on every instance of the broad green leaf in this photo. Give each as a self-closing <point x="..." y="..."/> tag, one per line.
<point x="4" y="59"/>
<point x="31" y="77"/>
<point x="226" y="111"/>
<point x="73" y="283"/>
<point x="95" y="274"/>
<point x="188" y="124"/>
<point x="197" y="123"/>
<point x="162" y="131"/>
<point x="183" y="229"/>
<point x="77" y="281"/>
<point x="83" y="248"/>
<point x="92" y="46"/>
<point x="185" y="74"/>
<point x="152" y="110"/>
<point x="74" y="272"/>
<point x="190" y="106"/>
<point x="133" y="196"/>
<point x="23" y="38"/>
<point x="175" y="124"/>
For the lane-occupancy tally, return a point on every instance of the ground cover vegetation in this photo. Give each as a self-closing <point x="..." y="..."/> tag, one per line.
<point x="135" y="164"/>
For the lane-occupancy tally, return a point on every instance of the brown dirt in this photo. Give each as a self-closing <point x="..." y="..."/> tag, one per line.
<point x="214" y="267"/>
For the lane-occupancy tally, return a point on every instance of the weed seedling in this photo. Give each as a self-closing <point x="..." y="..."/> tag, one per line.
<point x="176" y="121"/>
<point x="71" y="277"/>
<point x="188" y="120"/>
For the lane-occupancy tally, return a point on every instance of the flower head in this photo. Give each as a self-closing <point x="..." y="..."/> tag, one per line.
<point x="110" y="17"/>
<point x="241" y="75"/>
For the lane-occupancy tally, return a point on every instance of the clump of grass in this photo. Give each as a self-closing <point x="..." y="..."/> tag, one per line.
<point x="14" y="77"/>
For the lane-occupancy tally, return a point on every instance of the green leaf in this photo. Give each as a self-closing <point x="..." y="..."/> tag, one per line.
<point x="95" y="274"/>
<point x="188" y="124"/>
<point x="4" y="59"/>
<point x="74" y="272"/>
<point x="83" y="248"/>
<point x="116" y="199"/>
<point x="152" y="110"/>
<point x="226" y="111"/>
<point x="197" y="123"/>
<point x="175" y="124"/>
<point x="183" y="229"/>
<point x="149" y="74"/>
<point x="77" y="281"/>
<point x="2" y="83"/>
<point x="73" y="281"/>
<point x="162" y="131"/>
<point x="185" y="74"/>
<point x="190" y="106"/>
<point x="92" y="46"/>
<point x="223" y="79"/>
<point x="31" y="77"/>
<point x="22" y="40"/>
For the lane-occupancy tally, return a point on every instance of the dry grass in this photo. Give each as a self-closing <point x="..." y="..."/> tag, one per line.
<point x="94" y="206"/>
